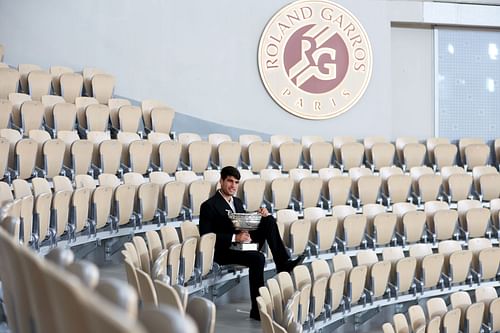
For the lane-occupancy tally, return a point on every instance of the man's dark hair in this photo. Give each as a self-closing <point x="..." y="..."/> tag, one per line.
<point x="229" y="171"/>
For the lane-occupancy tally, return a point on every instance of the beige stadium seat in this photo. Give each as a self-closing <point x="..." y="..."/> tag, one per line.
<point x="445" y="155"/>
<point x="400" y="323"/>
<point x="431" y="143"/>
<point x="476" y="155"/>
<point x="49" y="101"/>
<point x="168" y="296"/>
<point x="426" y="185"/>
<point x="71" y="86"/>
<point x="114" y="105"/>
<point x="486" y="182"/>
<point x="299" y="236"/>
<point x="388" y="328"/>
<point x="62" y="183"/>
<point x="474" y="219"/>
<point x="88" y="73"/>
<point x="436" y="307"/>
<point x="460" y="300"/>
<point x="103" y="86"/>
<point x="413" y="154"/>
<point x="229" y="153"/>
<point x="125" y="139"/>
<point x="96" y="118"/>
<point x="284" y="219"/>
<point x="81" y="108"/>
<point x="215" y="139"/>
<point x="463" y="143"/>
<point x="441" y="221"/>
<point x="39" y="84"/>
<point x="187" y="260"/>
<point x="494" y="315"/>
<point x="325" y="174"/>
<point x="307" y="141"/>
<point x="60" y="205"/>
<point x="32" y="113"/>
<point x="17" y="100"/>
<point x="259" y="154"/>
<point x="310" y="192"/>
<point x="80" y="205"/>
<point x="42" y="212"/>
<point x="24" y="70"/>
<point x="351" y="155"/>
<point x="382" y="154"/>
<point x="53" y="156"/>
<point x="162" y="119"/>
<point x="110" y="152"/>
<point x="321" y="154"/>
<point x="268" y="175"/>
<point x="68" y="137"/>
<point x="21" y="188"/>
<point x="40" y="185"/>
<point x="146" y="286"/>
<point x="147" y="195"/>
<point x="281" y="190"/>
<point x="297" y="175"/>
<point x="485" y="294"/>
<point x="199" y="192"/>
<point x="40" y="137"/>
<point x="173" y="194"/>
<point x="185" y="140"/>
<point x="212" y="176"/>
<point x="355" y="277"/>
<point x="143" y="254"/>
<point x="129" y="118"/>
<point x="451" y="321"/>
<point x="26" y="152"/>
<point x="9" y="82"/>
<point x="56" y="72"/>
<point x="366" y="189"/>
<point x="146" y="106"/>
<point x="489" y="263"/>
<point x="199" y="156"/>
<point x="245" y="140"/>
<point x="81" y="157"/>
<point x="339" y="189"/>
<point x="290" y="154"/>
<point x="169" y="155"/>
<point x="96" y="137"/>
<point x="495" y="212"/>
<point x="457" y="184"/>
<point x="473" y="317"/>
<point x="5" y="113"/>
<point x="276" y="141"/>
<point x="337" y="142"/>
<point x="253" y="190"/>
<point x="155" y="246"/>
<point x="64" y="115"/>
<point x="417" y="317"/>
<point x="156" y="139"/>
<point x="140" y="156"/>
<point x="124" y="199"/>
<point x="101" y="203"/>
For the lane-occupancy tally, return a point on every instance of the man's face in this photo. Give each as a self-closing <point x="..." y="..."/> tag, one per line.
<point x="229" y="186"/>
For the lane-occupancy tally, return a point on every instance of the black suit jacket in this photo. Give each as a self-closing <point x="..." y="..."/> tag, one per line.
<point x="213" y="218"/>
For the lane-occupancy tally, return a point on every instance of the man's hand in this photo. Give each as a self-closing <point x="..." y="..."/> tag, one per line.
<point x="243" y="237"/>
<point x="263" y="212"/>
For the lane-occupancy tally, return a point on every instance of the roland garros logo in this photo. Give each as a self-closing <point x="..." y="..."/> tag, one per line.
<point x="315" y="59"/>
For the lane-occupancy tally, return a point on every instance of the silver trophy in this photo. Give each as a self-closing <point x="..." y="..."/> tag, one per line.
<point x="245" y="222"/>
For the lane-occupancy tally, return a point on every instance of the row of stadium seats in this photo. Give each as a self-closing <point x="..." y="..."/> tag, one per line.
<point x="56" y="294"/>
<point x="315" y="295"/>
<point x="462" y="315"/>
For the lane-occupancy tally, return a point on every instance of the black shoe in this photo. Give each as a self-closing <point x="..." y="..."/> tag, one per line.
<point x="291" y="264"/>
<point x="254" y="314"/>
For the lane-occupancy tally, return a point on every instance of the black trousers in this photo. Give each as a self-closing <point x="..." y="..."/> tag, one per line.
<point x="255" y="260"/>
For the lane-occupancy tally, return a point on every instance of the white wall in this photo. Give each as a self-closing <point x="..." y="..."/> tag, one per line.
<point x="201" y="58"/>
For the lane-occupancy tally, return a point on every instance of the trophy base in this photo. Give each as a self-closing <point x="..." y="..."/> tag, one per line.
<point x="244" y="246"/>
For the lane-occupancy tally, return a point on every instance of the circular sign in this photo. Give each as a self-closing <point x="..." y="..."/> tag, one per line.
<point x="315" y="59"/>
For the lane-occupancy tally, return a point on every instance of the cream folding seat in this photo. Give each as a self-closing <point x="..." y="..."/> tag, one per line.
<point x="60" y="206"/>
<point x="62" y="183"/>
<point x="431" y="143"/>
<point x="160" y="178"/>
<point x="413" y="155"/>
<point x="368" y="143"/>
<point x="318" y="291"/>
<point x="485" y="294"/>
<point x="457" y="261"/>
<point x="433" y="326"/>
<point x="384" y="226"/>
<point x="53" y="156"/>
<point x="162" y="119"/>
<point x="494" y="315"/>
<point x="351" y="155"/>
<point x="400" y="144"/>
<point x="388" y="328"/>
<point x="124" y="199"/>
<point x="147" y="195"/>
<point x="169" y="156"/>
<point x="476" y="245"/>
<point x="68" y="137"/>
<point x="297" y="175"/>
<point x="457" y="184"/>
<point x="259" y="153"/>
<point x="355" y="278"/>
<point x="39" y="84"/>
<point x="486" y="182"/>
<point x="325" y="174"/>
<point x="156" y="139"/>
<point x="42" y="212"/>
<point x="441" y="221"/>
<point x="276" y="299"/>
<point x="386" y="172"/>
<point x="114" y="105"/>
<point x="474" y="317"/>
<point x="489" y="263"/>
<point x="426" y="184"/>
<point x="17" y="100"/>
<point x="140" y="156"/>
<point x="276" y="141"/>
<point x="445" y="155"/>
<point x="154" y="244"/>
<point x="215" y="139"/>
<point x="199" y="191"/>
<point x="146" y="106"/>
<point x="80" y="203"/>
<point x="186" y="177"/>
<point x="310" y="192"/>
<point x="64" y="115"/>
<point x="306" y="141"/>
<point x="96" y="118"/>
<point x="365" y="187"/>
<point x="400" y="323"/>
<point x="88" y="73"/>
<point x="102" y="87"/>
<point x="281" y="190"/>
<point x="143" y="254"/>
<point x="321" y="154"/>
<point x="81" y="157"/>
<point x="21" y="188"/>
<point x="185" y="140"/>
<point x="474" y="218"/>
<point x="4" y="159"/>
<point x="460" y="300"/>
<point x="199" y="156"/>
<point x="286" y="285"/>
<point x="203" y="312"/>
<point x="110" y="152"/>
<point x="495" y="212"/>
<point x="378" y="272"/>
<point x="228" y="153"/>
<point x="24" y="70"/>
<point x="96" y="137"/>
<point x="284" y="218"/>
<point x="351" y="227"/>
<point x="268" y="175"/>
<point x="339" y="189"/>
<point x="253" y="190"/>
<point x="417" y="317"/>
<point x="451" y="321"/>
<point x="213" y="177"/>
<point x="398" y="188"/>
<point x="129" y="118"/>
<point x="9" y="82"/>
<point x="299" y="236"/>
<point x="148" y="292"/>
<point x="245" y="140"/>
<point x="5" y="192"/>
<point x="168" y="295"/>
<point x="71" y="86"/>
<point x="382" y="155"/>
<point x="5" y="113"/>
<point x="32" y="113"/>
<point x="26" y="152"/>
<point x="56" y="72"/>
<point x="81" y="106"/>
<point x="476" y="155"/>
<point x="477" y="152"/>
<point x="187" y="260"/>
<point x="436" y="307"/>
<point x="313" y="215"/>
<point x="289" y="154"/>
<point x="126" y="139"/>
<point x="40" y="137"/>
<point x="101" y="201"/>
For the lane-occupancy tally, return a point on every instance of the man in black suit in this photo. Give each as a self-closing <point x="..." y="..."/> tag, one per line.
<point x="214" y="218"/>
